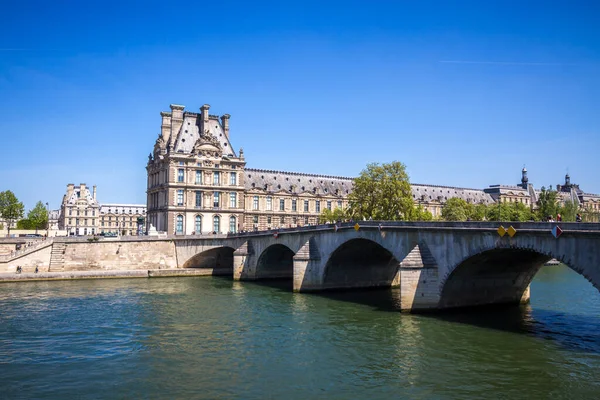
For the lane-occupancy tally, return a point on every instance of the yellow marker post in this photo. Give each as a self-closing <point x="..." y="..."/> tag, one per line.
<point x="511" y="231"/>
<point x="501" y="231"/>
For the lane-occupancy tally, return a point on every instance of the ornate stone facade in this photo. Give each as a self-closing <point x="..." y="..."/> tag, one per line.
<point x="79" y="211"/>
<point x="198" y="184"/>
<point x="123" y="219"/>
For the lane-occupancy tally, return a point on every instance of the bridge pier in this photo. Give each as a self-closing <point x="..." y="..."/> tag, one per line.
<point x="308" y="269"/>
<point x="244" y="262"/>
<point x="418" y="280"/>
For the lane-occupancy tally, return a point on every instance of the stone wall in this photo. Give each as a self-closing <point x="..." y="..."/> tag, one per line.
<point x="119" y="255"/>
<point x="39" y="258"/>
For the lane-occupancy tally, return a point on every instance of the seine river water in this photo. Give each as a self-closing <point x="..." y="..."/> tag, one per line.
<point x="211" y="338"/>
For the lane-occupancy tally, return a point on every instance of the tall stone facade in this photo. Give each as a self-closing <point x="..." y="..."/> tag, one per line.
<point x="198" y="184"/>
<point x="79" y="210"/>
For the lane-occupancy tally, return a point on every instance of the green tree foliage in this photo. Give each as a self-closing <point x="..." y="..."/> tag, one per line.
<point x="38" y="216"/>
<point x="477" y="212"/>
<point x="24" y="224"/>
<point x="329" y="217"/>
<point x="11" y="209"/>
<point x="507" y="211"/>
<point x="547" y="204"/>
<point x="420" y="214"/>
<point x="569" y="211"/>
<point x="455" y="209"/>
<point x="382" y="192"/>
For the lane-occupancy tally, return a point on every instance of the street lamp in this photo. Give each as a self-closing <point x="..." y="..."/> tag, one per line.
<point x="47" y="220"/>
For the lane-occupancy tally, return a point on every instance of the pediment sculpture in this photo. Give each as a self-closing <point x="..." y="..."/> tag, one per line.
<point x="207" y="146"/>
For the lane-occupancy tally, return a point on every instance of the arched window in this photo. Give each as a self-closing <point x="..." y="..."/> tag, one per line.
<point x="232" y="224"/>
<point x="179" y="227"/>
<point x="198" y="225"/>
<point x="216" y="223"/>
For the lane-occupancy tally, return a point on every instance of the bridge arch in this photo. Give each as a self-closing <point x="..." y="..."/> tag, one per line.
<point x="218" y="257"/>
<point x="275" y="262"/>
<point x="500" y="275"/>
<point x="360" y="262"/>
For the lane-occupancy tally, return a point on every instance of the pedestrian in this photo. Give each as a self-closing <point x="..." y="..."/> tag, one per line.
<point x="558" y="218"/>
<point x="578" y="218"/>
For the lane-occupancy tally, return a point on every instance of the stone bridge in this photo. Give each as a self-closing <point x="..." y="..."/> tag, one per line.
<point x="435" y="265"/>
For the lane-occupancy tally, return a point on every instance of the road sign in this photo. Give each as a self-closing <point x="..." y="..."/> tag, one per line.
<point x="356" y="227"/>
<point x="275" y="235"/>
<point x="511" y="231"/>
<point x="501" y="231"/>
<point x="556" y="231"/>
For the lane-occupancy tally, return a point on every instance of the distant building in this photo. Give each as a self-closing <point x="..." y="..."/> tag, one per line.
<point x="79" y="211"/>
<point x="81" y="214"/>
<point x="123" y="219"/>
<point x="54" y="219"/>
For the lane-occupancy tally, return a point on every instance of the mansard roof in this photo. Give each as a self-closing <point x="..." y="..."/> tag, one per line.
<point x="443" y="193"/>
<point x="297" y="183"/>
<point x="122" y="208"/>
<point x="189" y="133"/>
<point x="294" y="182"/>
<point x="77" y="195"/>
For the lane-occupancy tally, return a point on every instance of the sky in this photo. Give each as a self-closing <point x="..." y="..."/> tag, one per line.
<point x="464" y="93"/>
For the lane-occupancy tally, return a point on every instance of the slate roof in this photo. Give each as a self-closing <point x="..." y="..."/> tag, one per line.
<point x="123" y="208"/>
<point x="190" y="133"/>
<point x="297" y="183"/>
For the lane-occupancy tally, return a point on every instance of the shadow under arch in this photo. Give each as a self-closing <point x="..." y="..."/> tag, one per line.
<point x="360" y="263"/>
<point x="493" y="277"/>
<point x="275" y="262"/>
<point x="217" y="258"/>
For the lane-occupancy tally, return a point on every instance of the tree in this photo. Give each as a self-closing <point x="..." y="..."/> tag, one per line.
<point x="11" y="208"/>
<point x="455" y="209"/>
<point x="547" y="204"/>
<point x="420" y="214"/>
<point x="326" y="216"/>
<point x="38" y="216"/>
<point x="24" y="224"/>
<point x="569" y="211"/>
<point x="382" y="192"/>
<point x="477" y="212"/>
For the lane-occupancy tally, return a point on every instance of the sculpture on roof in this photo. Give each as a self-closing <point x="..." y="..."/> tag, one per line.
<point x="159" y="146"/>
<point x="207" y="146"/>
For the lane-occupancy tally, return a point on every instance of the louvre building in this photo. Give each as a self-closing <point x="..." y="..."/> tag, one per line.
<point x="199" y="184"/>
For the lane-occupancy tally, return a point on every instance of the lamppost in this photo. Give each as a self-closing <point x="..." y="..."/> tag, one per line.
<point x="47" y="220"/>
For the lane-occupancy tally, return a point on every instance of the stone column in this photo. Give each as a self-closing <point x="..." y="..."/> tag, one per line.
<point x="418" y="280"/>
<point x="244" y="263"/>
<point x="308" y="270"/>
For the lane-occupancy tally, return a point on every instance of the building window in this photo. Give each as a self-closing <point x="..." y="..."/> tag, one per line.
<point x="329" y="205"/>
<point x="269" y="203"/>
<point x="318" y="206"/>
<point x="305" y="220"/>
<point x="216" y="200"/>
<point x="269" y="220"/>
<point x="294" y="205"/>
<point x="305" y="205"/>
<point x="180" y="175"/>
<point x="281" y="204"/>
<point x="198" y="198"/>
<point x="86" y="211"/>
<point x="179" y="227"/>
<point x="232" y="224"/>
<point x="232" y="200"/>
<point x="102" y="223"/>
<point x="216" y="177"/>
<point x="76" y="221"/>
<point x="255" y="203"/>
<point x="70" y="211"/>
<point x="295" y="220"/>
<point x="198" y="224"/>
<point x="282" y="221"/>
<point x="255" y="219"/>
<point x="233" y="178"/>
<point x="198" y="177"/>
<point x="181" y="163"/>
<point x="180" y="197"/>
<point x="216" y="223"/>
<point x="339" y="204"/>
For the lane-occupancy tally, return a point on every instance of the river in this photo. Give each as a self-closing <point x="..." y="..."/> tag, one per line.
<point x="212" y="338"/>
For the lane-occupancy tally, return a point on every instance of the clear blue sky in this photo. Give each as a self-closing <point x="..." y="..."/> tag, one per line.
<point x="464" y="93"/>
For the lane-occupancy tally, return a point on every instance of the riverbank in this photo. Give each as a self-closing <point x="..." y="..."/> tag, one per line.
<point x="113" y="274"/>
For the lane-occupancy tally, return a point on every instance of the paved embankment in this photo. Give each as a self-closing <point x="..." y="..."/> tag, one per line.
<point x="140" y="273"/>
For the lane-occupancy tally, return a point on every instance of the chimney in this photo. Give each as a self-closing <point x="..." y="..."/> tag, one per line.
<point x="165" y="128"/>
<point x="70" y="188"/>
<point x="81" y="190"/>
<point x="225" y="123"/>
<point x="176" y="121"/>
<point x="204" y="111"/>
<point x="94" y="195"/>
